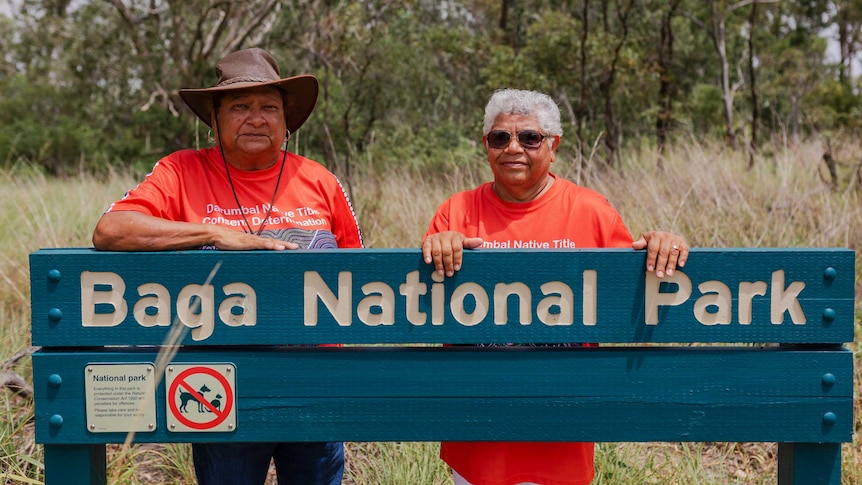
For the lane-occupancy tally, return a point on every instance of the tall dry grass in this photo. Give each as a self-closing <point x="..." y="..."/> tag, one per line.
<point x="704" y="192"/>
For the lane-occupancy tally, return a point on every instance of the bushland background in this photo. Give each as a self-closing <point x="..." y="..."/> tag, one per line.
<point x="735" y="123"/>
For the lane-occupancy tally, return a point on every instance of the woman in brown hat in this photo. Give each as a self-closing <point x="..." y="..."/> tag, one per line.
<point x="245" y="192"/>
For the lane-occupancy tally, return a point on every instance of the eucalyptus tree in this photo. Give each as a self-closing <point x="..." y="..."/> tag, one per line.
<point x="753" y="22"/>
<point x="664" y="59"/>
<point x="848" y="22"/>
<point x="793" y="66"/>
<point x="109" y="70"/>
<point x="405" y="81"/>
<point x="176" y="42"/>
<point x="396" y="76"/>
<point x="616" y="18"/>
<point x="721" y="23"/>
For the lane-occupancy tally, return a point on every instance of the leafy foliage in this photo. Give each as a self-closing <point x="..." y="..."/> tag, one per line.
<point x="94" y="84"/>
<point x="703" y="192"/>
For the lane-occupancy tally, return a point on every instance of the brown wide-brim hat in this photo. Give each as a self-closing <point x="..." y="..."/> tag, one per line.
<point x="251" y="68"/>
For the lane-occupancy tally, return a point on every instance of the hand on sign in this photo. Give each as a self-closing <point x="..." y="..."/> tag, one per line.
<point x="665" y="251"/>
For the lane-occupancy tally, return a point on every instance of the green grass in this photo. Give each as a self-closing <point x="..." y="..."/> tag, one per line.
<point x="395" y="464"/>
<point x="704" y="192"/>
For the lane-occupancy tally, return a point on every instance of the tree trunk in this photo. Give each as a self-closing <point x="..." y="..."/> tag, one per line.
<point x="582" y="96"/>
<point x="752" y="76"/>
<point x="794" y="118"/>
<point x="830" y="165"/>
<point x="665" y="89"/>
<point x="719" y="38"/>
<point x="608" y="85"/>
<point x="843" y="44"/>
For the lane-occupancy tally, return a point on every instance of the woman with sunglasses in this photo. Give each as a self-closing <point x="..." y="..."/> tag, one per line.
<point x="526" y="202"/>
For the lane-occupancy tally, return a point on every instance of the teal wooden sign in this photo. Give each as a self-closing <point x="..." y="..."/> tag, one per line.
<point x="101" y="319"/>
<point x="392" y="296"/>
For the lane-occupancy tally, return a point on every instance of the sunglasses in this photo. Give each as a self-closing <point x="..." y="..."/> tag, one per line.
<point x="528" y="139"/>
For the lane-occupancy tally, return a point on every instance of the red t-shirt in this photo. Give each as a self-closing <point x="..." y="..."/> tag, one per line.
<point x="567" y="216"/>
<point x="311" y="207"/>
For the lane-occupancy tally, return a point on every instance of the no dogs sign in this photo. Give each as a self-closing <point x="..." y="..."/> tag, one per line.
<point x="201" y="397"/>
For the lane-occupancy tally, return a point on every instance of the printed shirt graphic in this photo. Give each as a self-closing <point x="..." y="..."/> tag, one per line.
<point x="567" y="216"/>
<point x="311" y="208"/>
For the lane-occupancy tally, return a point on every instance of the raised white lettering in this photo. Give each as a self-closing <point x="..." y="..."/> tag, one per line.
<point x="653" y="299"/>
<point x="564" y="301"/>
<point x="195" y="309"/>
<point x="242" y="297"/>
<point x="154" y="296"/>
<point x="339" y="307"/>
<point x="785" y="300"/>
<point x="438" y="299"/>
<point x="590" y="297"/>
<point x="90" y="297"/>
<point x="502" y="292"/>
<point x="457" y="304"/>
<point x="412" y="289"/>
<point x="716" y="294"/>
<point x="384" y="300"/>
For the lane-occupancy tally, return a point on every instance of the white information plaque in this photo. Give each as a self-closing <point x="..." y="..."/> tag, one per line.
<point x="120" y="397"/>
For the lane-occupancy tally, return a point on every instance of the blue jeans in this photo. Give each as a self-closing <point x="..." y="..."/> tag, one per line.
<point x="248" y="463"/>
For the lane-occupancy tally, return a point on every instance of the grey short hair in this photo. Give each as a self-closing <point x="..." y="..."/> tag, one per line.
<point x="525" y="103"/>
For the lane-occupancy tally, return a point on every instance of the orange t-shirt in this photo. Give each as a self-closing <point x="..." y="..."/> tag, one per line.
<point x="567" y="216"/>
<point x="310" y="209"/>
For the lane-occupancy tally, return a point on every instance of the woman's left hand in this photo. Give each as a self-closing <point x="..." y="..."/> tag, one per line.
<point x="665" y="251"/>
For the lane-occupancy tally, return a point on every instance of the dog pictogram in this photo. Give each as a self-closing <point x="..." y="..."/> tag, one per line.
<point x="216" y="403"/>
<point x="186" y="396"/>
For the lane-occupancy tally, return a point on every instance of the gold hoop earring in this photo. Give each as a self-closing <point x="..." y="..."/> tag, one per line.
<point x="286" y="139"/>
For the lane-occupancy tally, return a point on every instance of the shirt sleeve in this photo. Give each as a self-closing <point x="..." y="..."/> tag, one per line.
<point x="440" y="221"/>
<point x="155" y="196"/>
<point x="618" y="235"/>
<point x="345" y="225"/>
<point x="609" y="230"/>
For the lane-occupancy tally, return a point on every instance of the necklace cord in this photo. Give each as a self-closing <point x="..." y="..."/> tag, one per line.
<point x="233" y="189"/>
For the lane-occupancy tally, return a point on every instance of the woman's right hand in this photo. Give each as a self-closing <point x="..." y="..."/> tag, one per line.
<point x="230" y="240"/>
<point x="446" y="250"/>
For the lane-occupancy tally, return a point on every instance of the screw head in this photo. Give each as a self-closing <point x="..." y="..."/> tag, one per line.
<point x="54" y="380"/>
<point x="54" y="275"/>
